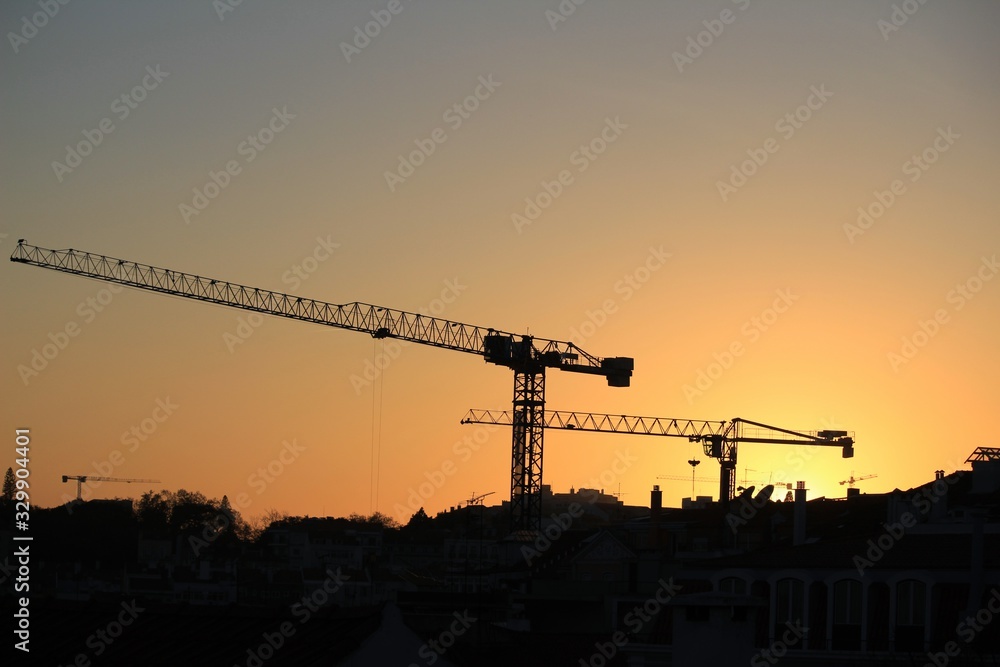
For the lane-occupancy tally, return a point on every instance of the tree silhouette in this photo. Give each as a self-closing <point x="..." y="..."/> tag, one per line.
<point x="234" y="524"/>
<point x="190" y="510"/>
<point x="153" y="510"/>
<point x="375" y="519"/>
<point x="8" y="485"/>
<point x="419" y="519"/>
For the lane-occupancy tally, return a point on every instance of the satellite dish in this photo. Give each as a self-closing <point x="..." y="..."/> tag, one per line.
<point x="764" y="495"/>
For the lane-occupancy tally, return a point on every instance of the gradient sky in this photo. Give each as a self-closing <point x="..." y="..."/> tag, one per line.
<point x="882" y="94"/>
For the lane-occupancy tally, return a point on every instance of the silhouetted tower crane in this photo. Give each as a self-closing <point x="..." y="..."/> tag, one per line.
<point x="83" y="479"/>
<point x="683" y="478"/>
<point x="477" y="500"/>
<point x="692" y="479"/>
<point x="527" y="356"/>
<point x="852" y="480"/>
<point x="719" y="439"/>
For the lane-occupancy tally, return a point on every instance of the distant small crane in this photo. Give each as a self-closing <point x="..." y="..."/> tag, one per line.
<point x="682" y="478"/>
<point x="685" y="478"/>
<point x="82" y="479"/>
<point x="852" y="480"/>
<point x="477" y="500"/>
<point x="620" y="493"/>
<point x="746" y="470"/>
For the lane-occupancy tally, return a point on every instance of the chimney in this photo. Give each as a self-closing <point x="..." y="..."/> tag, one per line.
<point x="799" y="529"/>
<point x="655" y="505"/>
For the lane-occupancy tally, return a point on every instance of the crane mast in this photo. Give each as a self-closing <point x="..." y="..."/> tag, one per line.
<point x="529" y="357"/>
<point x="719" y="439"/>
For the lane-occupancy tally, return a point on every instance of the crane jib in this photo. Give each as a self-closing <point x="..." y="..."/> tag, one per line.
<point x="498" y="347"/>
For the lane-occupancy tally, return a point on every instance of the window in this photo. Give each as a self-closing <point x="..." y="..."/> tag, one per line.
<point x="788" y="601"/>
<point x="910" y="615"/>
<point x="847" y="602"/>
<point x="733" y="585"/>
<point x="910" y="602"/>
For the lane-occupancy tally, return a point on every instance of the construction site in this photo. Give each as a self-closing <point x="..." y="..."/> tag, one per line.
<point x="479" y="334"/>
<point x="865" y="579"/>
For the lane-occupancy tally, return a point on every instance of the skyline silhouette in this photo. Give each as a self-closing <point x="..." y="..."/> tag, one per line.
<point x="766" y="231"/>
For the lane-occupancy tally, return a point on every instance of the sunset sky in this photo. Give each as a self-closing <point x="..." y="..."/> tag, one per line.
<point x="784" y="211"/>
